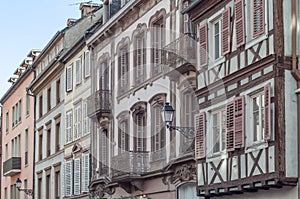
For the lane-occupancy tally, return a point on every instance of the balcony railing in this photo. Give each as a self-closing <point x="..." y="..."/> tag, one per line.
<point x="12" y="166"/>
<point x="180" y="52"/>
<point x="99" y="103"/>
<point x="132" y="163"/>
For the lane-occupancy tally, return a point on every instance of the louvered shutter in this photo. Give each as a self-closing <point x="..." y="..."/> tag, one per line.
<point x="77" y="176"/>
<point x="104" y="147"/>
<point x="203" y="45"/>
<point x="69" y="127"/>
<point x="86" y="118"/>
<point x="239" y="12"/>
<point x="230" y="126"/>
<point x="69" y="78"/>
<point x="78" y="71"/>
<point x="87" y="67"/>
<point x="140" y="60"/>
<point x="76" y="123"/>
<point x="200" y="136"/>
<point x="85" y="173"/>
<point x="267" y="112"/>
<point x="79" y="126"/>
<point x="226" y="31"/>
<point x="258" y="17"/>
<point x="68" y="178"/>
<point x="239" y="122"/>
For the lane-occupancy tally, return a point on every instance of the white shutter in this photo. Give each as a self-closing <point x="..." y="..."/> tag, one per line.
<point x="78" y="71"/>
<point x="69" y="78"/>
<point x="86" y="122"/>
<point x="68" y="178"/>
<point x="85" y="172"/>
<point x="77" y="122"/>
<point x="77" y="176"/>
<point x="87" y="67"/>
<point x="68" y="126"/>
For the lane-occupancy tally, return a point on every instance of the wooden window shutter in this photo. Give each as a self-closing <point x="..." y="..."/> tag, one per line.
<point x="239" y="122"/>
<point x="267" y="112"/>
<point x="87" y="67"/>
<point x="77" y="176"/>
<point x="200" y="136"/>
<point x="78" y="71"/>
<point x="258" y="17"/>
<point x="85" y="173"/>
<point x="203" y="45"/>
<point x="226" y="31"/>
<point x="68" y="178"/>
<point x="230" y="126"/>
<point x="239" y="12"/>
<point x="69" y="78"/>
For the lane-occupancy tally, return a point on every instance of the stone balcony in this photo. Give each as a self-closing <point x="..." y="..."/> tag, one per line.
<point x="99" y="104"/>
<point x="12" y="166"/>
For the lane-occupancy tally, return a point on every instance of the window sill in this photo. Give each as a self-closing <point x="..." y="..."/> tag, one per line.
<point x="216" y="62"/>
<point x="256" y="146"/>
<point x="218" y="155"/>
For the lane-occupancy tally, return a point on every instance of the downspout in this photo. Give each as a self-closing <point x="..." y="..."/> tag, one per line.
<point x="295" y="73"/>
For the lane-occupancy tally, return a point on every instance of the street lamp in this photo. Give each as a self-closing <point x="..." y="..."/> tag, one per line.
<point x="26" y="191"/>
<point x="168" y="116"/>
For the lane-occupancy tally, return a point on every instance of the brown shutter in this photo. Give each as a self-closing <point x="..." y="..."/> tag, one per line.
<point x="230" y="126"/>
<point x="239" y="122"/>
<point x="267" y="112"/>
<point x="240" y="22"/>
<point x="258" y="17"/>
<point x="203" y="45"/>
<point x="226" y="31"/>
<point x="200" y="139"/>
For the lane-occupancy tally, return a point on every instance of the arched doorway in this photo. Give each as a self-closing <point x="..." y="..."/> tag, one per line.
<point x="187" y="191"/>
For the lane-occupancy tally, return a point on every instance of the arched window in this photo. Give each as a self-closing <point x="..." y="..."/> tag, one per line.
<point x="139" y="113"/>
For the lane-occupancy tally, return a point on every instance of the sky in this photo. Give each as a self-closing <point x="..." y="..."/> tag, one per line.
<point x="27" y="25"/>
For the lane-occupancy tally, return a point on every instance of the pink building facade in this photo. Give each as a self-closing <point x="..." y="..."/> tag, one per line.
<point x="17" y="134"/>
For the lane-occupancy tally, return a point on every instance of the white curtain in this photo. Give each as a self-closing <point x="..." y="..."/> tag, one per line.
<point x="187" y="191"/>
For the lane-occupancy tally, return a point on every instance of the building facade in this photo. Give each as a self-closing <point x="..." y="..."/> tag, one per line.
<point x="133" y="152"/>
<point x="17" y="132"/>
<point x="246" y="133"/>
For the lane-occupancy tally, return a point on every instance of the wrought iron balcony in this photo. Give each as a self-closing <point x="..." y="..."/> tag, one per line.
<point x="180" y="53"/>
<point x="131" y="163"/>
<point x="12" y="166"/>
<point x="99" y="104"/>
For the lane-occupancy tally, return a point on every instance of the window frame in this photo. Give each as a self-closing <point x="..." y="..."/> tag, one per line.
<point x="260" y="134"/>
<point x="220" y="112"/>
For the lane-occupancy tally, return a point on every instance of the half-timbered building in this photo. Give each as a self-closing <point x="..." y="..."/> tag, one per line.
<point x="245" y="130"/>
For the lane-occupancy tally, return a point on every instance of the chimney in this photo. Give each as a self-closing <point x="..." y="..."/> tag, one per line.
<point x="70" y="22"/>
<point x="105" y="11"/>
<point x="87" y="8"/>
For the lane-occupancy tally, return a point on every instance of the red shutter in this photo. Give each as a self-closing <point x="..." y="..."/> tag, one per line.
<point x="203" y="45"/>
<point x="240" y="22"/>
<point x="226" y="31"/>
<point x="239" y="122"/>
<point x="258" y="17"/>
<point x="230" y="126"/>
<point x="200" y="131"/>
<point x="267" y="112"/>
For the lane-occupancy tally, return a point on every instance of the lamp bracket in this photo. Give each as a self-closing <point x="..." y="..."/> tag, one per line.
<point x="27" y="191"/>
<point x="187" y="132"/>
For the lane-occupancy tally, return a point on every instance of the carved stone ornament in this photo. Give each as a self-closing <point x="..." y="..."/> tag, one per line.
<point x="101" y="190"/>
<point x="184" y="173"/>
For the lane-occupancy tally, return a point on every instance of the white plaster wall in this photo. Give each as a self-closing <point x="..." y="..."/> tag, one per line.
<point x="291" y="121"/>
<point x="287" y="27"/>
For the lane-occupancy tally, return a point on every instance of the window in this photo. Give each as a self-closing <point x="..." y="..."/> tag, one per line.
<point x="40" y="153"/>
<point x="57" y="184"/>
<point x="13" y="116"/>
<point x="140" y="124"/>
<point x="85" y="173"/>
<point x="26" y="147"/>
<point x="123" y="142"/>
<point x="158" y="131"/>
<point x="40" y="187"/>
<point x="261" y="114"/>
<point x="57" y="136"/>
<point x="78" y="70"/>
<point x="48" y="145"/>
<point x="48" y="186"/>
<point x="58" y="91"/>
<point x="123" y="69"/>
<point x="87" y="67"/>
<point x="49" y="99"/>
<point x="77" y="121"/>
<point x="69" y="78"/>
<point x="6" y="122"/>
<point x="257" y="19"/>
<point x="5" y="193"/>
<point x="157" y="45"/>
<point x="68" y="178"/>
<point x="103" y="80"/>
<point x="140" y="59"/>
<point x="6" y="151"/>
<point x="187" y="190"/>
<point x="77" y="176"/>
<point x="27" y="104"/>
<point x="86" y="119"/>
<point x="69" y="123"/>
<point x="217" y="38"/>
<point x="218" y="122"/>
<point x="41" y="105"/>
<point x="20" y="110"/>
